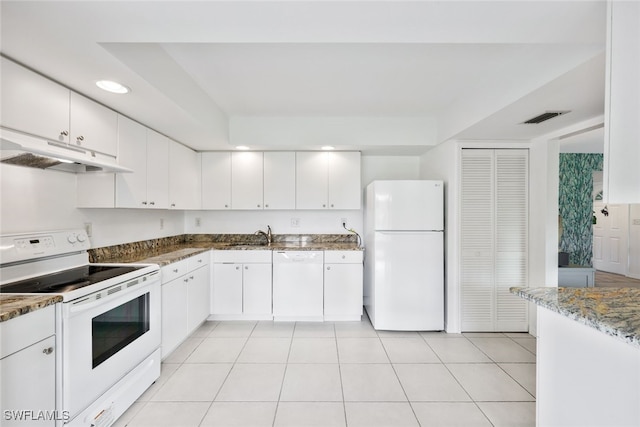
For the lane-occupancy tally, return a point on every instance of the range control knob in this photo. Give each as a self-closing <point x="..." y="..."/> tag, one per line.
<point x="81" y="237"/>
<point x="72" y="238"/>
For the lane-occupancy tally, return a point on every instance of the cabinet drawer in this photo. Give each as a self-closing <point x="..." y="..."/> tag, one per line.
<point x="23" y="331"/>
<point x="174" y="270"/>
<point x="342" y="257"/>
<point x="257" y="256"/>
<point x="199" y="260"/>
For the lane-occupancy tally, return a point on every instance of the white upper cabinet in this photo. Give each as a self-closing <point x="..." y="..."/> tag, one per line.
<point x="184" y="177"/>
<point x="131" y="188"/>
<point x="279" y="180"/>
<point x="36" y="105"/>
<point x="93" y="126"/>
<point x="312" y="185"/>
<point x="146" y="152"/>
<point x="328" y="180"/>
<point x="622" y="104"/>
<point x="344" y="180"/>
<point x="157" y="170"/>
<point x="33" y="104"/>
<point x="246" y="180"/>
<point x="216" y="180"/>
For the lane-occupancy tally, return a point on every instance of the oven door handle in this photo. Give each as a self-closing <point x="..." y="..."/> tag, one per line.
<point x="107" y="295"/>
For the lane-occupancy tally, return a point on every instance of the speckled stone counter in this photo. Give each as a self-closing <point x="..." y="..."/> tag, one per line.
<point x="613" y="311"/>
<point x="173" y="249"/>
<point x="16" y="305"/>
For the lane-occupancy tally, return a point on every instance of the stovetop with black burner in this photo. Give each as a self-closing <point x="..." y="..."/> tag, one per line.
<point x="66" y="280"/>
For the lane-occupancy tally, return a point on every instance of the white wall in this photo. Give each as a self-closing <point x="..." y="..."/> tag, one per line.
<point x="441" y="162"/>
<point x="37" y="200"/>
<point x="389" y="167"/>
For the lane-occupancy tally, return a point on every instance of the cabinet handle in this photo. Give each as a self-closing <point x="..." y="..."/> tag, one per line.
<point x="237" y="268"/>
<point x="199" y="260"/>
<point x="80" y="139"/>
<point x="328" y="268"/>
<point x="344" y="256"/>
<point x="331" y="204"/>
<point x="246" y="267"/>
<point x="48" y="350"/>
<point x="64" y="133"/>
<point x="266" y="206"/>
<point x="191" y="277"/>
<point x="175" y="270"/>
<point x="324" y="206"/>
<point x="186" y="280"/>
<point x="226" y="206"/>
<point x="258" y="205"/>
<point x="173" y="205"/>
<point x="144" y="203"/>
<point x="152" y="203"/>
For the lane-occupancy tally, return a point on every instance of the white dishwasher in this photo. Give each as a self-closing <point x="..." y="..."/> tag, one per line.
<point x="298" y="285"/>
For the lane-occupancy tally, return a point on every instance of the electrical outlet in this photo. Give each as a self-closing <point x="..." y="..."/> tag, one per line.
<point x="161" y="223"/>
<point x="343" y="222"/>
<point x="88" y="228"/>
<point x="295" y="222"/>
<point x="197" y="222"/>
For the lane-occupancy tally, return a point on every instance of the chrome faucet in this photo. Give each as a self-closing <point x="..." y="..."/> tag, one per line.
<point x="268" y="234"/>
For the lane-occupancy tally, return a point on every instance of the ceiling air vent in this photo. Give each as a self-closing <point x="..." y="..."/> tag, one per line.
<point x="544" y="117"/>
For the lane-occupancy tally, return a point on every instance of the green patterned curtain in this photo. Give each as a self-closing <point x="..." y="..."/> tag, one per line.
<point x="576" y="204"/>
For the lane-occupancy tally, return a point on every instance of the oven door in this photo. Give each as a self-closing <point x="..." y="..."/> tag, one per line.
<point x="106" y="335"/>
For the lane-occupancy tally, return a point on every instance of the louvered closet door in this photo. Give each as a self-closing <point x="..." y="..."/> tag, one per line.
<point x="477" y="240"/>
<point x="494" y="239"/>
<point x="512" y="232"/>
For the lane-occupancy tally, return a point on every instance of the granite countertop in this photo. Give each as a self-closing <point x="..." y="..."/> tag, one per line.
<point x="16" y="305"/>
<point x="613" y="311"/>
<point x="173" y="253"/>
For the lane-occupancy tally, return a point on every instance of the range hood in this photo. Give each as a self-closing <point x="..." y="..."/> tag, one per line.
<point x="21" y="149"/>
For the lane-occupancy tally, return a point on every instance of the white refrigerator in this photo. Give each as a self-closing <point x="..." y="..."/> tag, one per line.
<point x="404" y="258"/>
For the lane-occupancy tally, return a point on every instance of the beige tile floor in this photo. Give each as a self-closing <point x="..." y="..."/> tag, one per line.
<point x="340" y="374"/>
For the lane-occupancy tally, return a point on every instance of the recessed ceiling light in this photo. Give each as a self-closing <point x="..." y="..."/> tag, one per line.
<point x="328" y="147"/>
<point x="113" y="87"/>
<point x="242" y="147"/>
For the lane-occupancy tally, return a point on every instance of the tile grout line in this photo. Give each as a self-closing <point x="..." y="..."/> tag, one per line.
<point x="284" y="374"/>
<point x="398" y="378"/>
<point x="228" y="373"/>
<point x="344" y="404"/>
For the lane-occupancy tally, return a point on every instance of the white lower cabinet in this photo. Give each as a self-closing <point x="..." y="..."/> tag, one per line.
<point x="241" y="285"/>
<point x="185" y="296"/>
<point x="28" y="368"/>
<point x="343" y="285"/>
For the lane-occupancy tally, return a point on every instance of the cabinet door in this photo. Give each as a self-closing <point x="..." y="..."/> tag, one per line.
<point x="226" y="297"/>
<point x="29" y="382"/>
<point x="256" y="289"/>
<point x="131" y="188"/>
<point x="216" y="180"/>
<point x="246" y="180"/>
<point x="279" y="180"/>
<point x="344" y="180"/>
<point x="93" y="126"/>
<point x="174" y="314"/>
<point x="32" y="103"/>
<point x="157" y="170"/>
<point x="199" y="296"/>
<point x="342" y="291"/>
<point x="184" y="182"/>
<point x="311" y="180"/>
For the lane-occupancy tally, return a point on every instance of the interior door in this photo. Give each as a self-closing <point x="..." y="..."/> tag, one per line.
<point x="610" y="238"/>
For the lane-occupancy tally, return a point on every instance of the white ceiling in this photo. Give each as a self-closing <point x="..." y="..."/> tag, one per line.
<point x="472" y="70"/>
